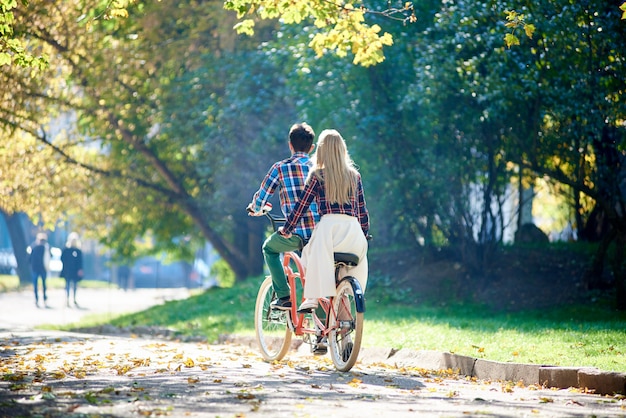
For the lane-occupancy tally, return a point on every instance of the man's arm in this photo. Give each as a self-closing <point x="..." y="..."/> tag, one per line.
<point x="266" y="190"/>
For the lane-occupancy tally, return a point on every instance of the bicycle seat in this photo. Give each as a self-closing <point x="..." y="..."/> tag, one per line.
<point x="348" y="259"/>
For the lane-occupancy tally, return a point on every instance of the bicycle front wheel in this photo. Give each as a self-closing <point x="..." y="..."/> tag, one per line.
<point x="273" y="334"/>
<point x="346" y="334"/>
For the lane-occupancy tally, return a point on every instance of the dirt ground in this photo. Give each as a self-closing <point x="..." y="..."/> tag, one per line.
<point x="521" y="278"/>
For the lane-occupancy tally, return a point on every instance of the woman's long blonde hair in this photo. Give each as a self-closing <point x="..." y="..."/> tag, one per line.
<point x="339" y="173"/>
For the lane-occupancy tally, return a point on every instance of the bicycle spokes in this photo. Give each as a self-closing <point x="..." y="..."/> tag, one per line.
<point x="346" y="327"/>
<point x="272" y="326"/>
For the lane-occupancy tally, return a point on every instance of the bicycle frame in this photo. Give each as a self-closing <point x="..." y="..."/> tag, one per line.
<point x="297" y="320"/>
<point x="339" y="327"/>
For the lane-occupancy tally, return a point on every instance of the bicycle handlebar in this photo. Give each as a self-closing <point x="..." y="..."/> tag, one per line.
<point x="275" y="220"/>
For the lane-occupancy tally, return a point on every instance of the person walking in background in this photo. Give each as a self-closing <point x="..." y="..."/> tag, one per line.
<point x="288" y="176"/>
<point x="123" y="276"/>
<point x="335" y="184"/>
<point x="72" y="259"/>
<point x="39" y="259"/>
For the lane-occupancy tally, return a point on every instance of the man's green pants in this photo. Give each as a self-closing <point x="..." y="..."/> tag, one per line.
<point x="273" y="247"/>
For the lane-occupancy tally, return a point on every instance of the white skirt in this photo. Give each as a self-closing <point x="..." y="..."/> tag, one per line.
<point x="333" y="233"/>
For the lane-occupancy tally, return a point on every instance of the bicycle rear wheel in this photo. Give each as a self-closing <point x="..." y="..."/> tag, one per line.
<point x="346" y="334"/>
<point x="273" y="334"/>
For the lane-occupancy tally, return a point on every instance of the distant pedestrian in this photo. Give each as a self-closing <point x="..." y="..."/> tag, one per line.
<point x="39" y="258"/>
<point x="123" y="275"/>
<point x="72" y="259"/>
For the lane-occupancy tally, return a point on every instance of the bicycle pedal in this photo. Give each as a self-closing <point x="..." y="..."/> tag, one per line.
<point x="320" y="350"/>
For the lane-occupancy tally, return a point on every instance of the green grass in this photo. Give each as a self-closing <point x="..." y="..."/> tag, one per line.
<point x="576" y="336"/>
<point x="590" y="335"/>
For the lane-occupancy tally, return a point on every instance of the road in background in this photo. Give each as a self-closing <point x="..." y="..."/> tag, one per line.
<point x="18" y="310"/>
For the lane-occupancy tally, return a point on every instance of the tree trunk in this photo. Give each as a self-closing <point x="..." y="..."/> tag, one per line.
<point x="592" y="278"/>
<point x="18" y="241"/>
<point x="619" y="270"/>
<point x="256" y="237"/>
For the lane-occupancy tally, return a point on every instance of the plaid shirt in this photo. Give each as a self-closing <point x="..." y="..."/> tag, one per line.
<point x="289" y="176"/>
<point x="314" y="193"/>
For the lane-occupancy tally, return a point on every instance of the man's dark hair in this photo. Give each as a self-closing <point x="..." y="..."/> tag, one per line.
<point x="301" y="137"/>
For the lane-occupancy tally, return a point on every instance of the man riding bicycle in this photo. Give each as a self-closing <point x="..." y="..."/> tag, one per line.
<point x="288" y="176"/>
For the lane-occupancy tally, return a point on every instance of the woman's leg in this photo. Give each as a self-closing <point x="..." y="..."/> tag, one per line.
<point x="318" y="258"/>
<point x="44" y="276"/>
<point x="36" y="286"/>
<point x="75" y="286"/>
<point x="67" y="292"/>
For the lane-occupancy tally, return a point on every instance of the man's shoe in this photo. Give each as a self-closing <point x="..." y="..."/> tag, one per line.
<point x="284" y="304"/>
<point x="307" y="306"/>
<point x="321" y="347"/>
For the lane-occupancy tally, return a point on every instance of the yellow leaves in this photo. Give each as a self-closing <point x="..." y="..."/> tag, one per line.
<point x="355" y="382"/>
<point x="511" y="40"/>
<point x="351" y="34"/>
<point x="14" y="377"/>
<point x="480" y="350"/>
<point x="245" y="27"/>
<point x="623" y="9"/>
<point x="122" y="369"/>
<point x="117" y="9"/>
<point x="507" y="387"/>
<point x="118" y="13"/>
<point x="344" y="29"/>
<point x="514" y="21"/>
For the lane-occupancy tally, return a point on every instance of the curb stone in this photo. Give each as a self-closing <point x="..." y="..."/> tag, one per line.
<point x="592" y="379"/>
<point x="604" y="383"/>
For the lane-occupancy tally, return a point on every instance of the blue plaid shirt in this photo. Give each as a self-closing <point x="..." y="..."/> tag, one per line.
<point x="289" y="176"/>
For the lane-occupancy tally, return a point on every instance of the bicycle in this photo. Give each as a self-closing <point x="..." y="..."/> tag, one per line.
<point x="338" y="318"/>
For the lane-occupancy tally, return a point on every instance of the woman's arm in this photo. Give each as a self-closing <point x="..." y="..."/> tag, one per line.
<point x="304" y="201"/>
<point x="362" y="211"/>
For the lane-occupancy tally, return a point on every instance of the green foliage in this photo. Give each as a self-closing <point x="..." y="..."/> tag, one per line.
<point x="384" y="290"/>
<point x="223" y="273"/>
<point x="185" y="118"/>
<point x="13" y="50"/>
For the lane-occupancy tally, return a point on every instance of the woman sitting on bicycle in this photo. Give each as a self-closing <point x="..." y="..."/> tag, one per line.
<point x="335" y="185"/>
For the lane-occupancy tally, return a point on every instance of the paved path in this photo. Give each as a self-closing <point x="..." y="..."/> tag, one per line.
<point x="62" y="374"/>
<point x="18" y="309"/>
